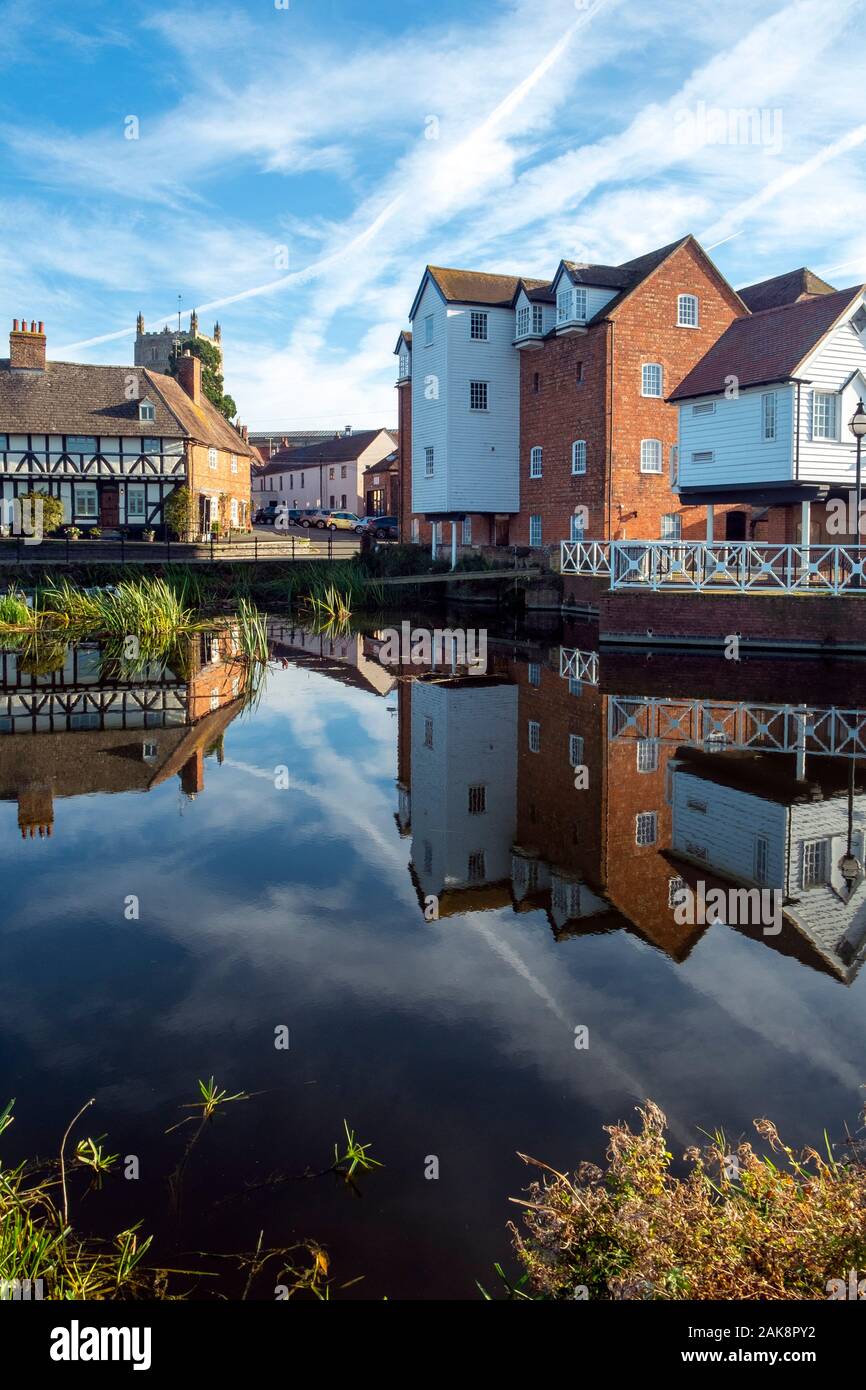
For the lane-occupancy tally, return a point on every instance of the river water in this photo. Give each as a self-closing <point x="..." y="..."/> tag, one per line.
<point x="471" y="949"/>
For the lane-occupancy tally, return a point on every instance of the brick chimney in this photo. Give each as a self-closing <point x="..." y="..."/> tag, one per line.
<point x="192" y="774"/>
<point x="189" y="376"/>
<point x="27" y="346"/>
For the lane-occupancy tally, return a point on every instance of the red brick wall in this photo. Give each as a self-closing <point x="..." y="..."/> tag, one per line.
<point x="777" y="618"/>
<point x="611" y="355"/>
<point x="552" y="417"/>
<point x="645" y="331"/>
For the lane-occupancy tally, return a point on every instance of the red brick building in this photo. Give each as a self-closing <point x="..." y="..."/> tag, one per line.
<point x="593" y="401"/>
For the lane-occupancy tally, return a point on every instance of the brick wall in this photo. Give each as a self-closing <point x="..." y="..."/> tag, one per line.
<point x="219" y="481"/>
<point x="556" y="410"/>
<point x="773" y="618"/>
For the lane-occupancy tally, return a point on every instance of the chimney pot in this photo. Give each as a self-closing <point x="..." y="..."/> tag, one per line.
<point x="14" y="325"/>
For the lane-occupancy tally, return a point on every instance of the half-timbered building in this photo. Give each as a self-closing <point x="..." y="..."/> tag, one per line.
<point x="114" y="442"/>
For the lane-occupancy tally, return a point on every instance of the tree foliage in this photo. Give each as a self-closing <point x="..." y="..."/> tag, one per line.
<point x="211" y="373"/>
<point x="180" y="512"/>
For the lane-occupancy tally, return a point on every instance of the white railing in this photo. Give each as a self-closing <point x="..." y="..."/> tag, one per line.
<point x="717" y="725"/>
<point x="735" y="566"/>
<point x="585" y="557"/>
<point x="579" y="666"/>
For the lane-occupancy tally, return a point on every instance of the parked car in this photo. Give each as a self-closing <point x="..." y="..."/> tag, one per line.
<point x="314" y="516"/>
<point x="384" y="528"/>
<point x="266" y="515"/>
<point x="345" y="521"/>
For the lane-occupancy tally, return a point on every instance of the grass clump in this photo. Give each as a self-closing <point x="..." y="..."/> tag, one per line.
<point x="740" y="1225"/>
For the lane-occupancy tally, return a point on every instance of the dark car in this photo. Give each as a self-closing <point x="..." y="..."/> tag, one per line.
<point x="384" y="528"/>
<point x="266" y="515"/>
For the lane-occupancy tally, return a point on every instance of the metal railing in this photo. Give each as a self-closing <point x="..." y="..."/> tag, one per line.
<point x="737" y="567"/>
<point x="578" y="666"/>
<point x="585" y="557"/>
<point x="717" y="725"/>
<point x="318" y="545"/>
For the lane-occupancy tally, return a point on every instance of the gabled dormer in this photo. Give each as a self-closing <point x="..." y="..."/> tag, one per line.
<point x="146" y="409"/>
<point x="534" y="314"/>
<point x="582" y="291"/>
<point x="403" y="353"/>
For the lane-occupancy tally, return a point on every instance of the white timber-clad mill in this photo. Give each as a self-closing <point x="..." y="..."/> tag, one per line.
<point x="764" y="416"/>
<point x="465" y="395"/>
<point x="112" y="443"/>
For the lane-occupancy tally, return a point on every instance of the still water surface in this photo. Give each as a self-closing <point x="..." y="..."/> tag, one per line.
<point x="261" y="906"/>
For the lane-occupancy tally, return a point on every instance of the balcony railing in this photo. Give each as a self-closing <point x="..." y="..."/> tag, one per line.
<point x="723" y="725"/>
<point x="723" y="566"/>
<point x="585" y="557"/>
<point x="578" y="666"/>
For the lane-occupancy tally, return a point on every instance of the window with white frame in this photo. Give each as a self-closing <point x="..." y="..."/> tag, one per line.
<point x="816" y="863"/>
<point x="478" y="395"/>
<point x="428" y="731"/>
<point x="467" y="530"/>
<point x="645" y="828"/>
<point x="563" y="305"/>
<point x="523" y="321"/>
<point x="575" y="750"/>
<point x="478" y="326"/>
<point x="134" y="502"/>
<point x="687" y="311"/>
<point x="533" y="673"/>
<point x="535" y="456"/>
<point x="429" y="462"/>
<point x="477" y="800"/>
<point x="651" y="379"/>
<point x="212" y="458"/>
<point x="672" y="526"/>
<point x="650" y="456"/>
<point x="674" y="463"/>
<point x="647" y="755"/>
<point x="534" y="733"/>
<point x="578" y="456"/>
<point x="537" y="318"/>
<point x="233" y="511"/>
<point x="234" y="463"/>
<point x="86" y="500"/>
<point x="769" y="415"/>
<point x="580" y="304"/>
<point x="404" y="366"/>
<point x="825" y="415"/>
<point x="428" y="330"/>
<point x="575" y="687"/>
<point x="576" y="525"/>
<point x="147" y="411"/>
<point x="535" y="530"/>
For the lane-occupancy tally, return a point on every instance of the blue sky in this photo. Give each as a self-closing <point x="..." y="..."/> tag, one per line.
<point x="284" y="171"/>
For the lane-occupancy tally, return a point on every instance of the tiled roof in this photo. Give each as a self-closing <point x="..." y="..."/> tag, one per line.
<point x="765" y="347"/>
<point x="783" y="289"/>
<point x="345" y="448"/>
<point x="78" y="398"/>
<point x="478" y="287"/>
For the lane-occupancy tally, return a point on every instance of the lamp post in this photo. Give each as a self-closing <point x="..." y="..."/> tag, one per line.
<point x="857" y="426"/>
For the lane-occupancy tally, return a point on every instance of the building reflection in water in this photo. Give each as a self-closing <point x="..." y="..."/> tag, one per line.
<point x="682" y="793"/>
<point x="95" y="724"/>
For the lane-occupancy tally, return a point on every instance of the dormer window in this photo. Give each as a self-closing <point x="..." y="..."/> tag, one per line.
<point x="825" y="415"/>
<point x="687" y="311"/>
<point x="404" y="366"/>
<point x="563" y="306"/>
<point x="146" y="410"/>
<point x="571" y="305"/>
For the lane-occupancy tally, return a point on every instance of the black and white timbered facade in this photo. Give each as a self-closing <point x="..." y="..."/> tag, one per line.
<point x="102" y="480"/>
<point x="113" y="443"/>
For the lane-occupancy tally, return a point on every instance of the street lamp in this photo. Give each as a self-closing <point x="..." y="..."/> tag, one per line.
<point x="857" y="426"/>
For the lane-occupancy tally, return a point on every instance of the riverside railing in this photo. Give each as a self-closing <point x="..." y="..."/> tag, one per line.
<point x="737" y="567"/>
<point x="720" y="725"/>
<point x="578" y="666"/>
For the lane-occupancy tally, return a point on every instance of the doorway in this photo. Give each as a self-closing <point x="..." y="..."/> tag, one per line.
<point x="109" y="508"/>
<point x="735" y="526"/>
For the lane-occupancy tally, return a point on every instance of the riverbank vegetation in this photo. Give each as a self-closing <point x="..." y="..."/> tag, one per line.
<point x="44" y="1255"/>
<point x="739" y="1225"/>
